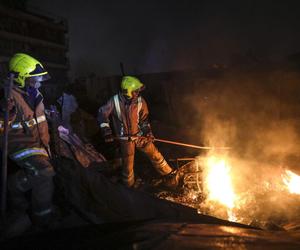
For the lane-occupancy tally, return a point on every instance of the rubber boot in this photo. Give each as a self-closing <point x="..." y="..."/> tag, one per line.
<point x="15" y="225"/>
<point x="171" y="180"/>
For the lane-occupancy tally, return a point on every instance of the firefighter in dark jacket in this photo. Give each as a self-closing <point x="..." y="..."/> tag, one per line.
<point x="28" y="141"/>
<point x="128" y="113"/>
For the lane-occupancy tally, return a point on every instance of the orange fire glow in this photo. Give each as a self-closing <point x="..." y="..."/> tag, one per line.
<point x="227" y="196"/>
<point x="218" y="184"/>
<point x="292" y="181"/>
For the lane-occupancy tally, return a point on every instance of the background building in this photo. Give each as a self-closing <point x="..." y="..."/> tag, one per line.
<point x="41" y="35"/>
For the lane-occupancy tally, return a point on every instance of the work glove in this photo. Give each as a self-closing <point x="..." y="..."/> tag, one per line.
<point x="147" y="132"/>
<point x="109" y="138"/>
<point x="149" y="137"/>
<point x="107" y="135"/>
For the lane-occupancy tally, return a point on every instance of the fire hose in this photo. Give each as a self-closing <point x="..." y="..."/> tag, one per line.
<point x="133" y="138"/>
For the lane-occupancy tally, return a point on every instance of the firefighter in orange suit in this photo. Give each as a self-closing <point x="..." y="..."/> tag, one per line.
<point x="128" y="113"/>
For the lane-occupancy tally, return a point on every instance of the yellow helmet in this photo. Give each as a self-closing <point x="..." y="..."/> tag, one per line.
<point x="130" y="84"/>
<point x="25" y="67"/>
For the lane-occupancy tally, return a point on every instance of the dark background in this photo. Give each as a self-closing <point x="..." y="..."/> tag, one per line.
<point x="159" y="36"/>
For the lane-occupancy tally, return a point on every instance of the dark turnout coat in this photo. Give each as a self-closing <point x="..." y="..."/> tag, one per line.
<point x="28" y="128"/>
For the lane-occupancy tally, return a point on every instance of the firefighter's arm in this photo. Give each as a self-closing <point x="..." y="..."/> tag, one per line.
<point x="144" y="120"/>
<point x="104" y="113"/>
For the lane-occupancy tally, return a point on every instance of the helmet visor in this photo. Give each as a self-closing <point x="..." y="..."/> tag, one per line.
<point x="39" y="78"/>
<point x="38" y="70"/>
<point x="142" y="88"/>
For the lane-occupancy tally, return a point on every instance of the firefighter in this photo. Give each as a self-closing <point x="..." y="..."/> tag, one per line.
<point x="28" y="141"/>
<point x="128" y="113"/>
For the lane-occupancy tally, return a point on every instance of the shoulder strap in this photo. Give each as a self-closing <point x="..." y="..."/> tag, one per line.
<point x="117" y="106"/>
<point x="140" y="103"/>
<point x="139" y="107"/>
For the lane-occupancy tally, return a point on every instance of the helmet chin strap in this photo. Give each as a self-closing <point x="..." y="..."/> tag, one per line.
<point x="128" y="98"/>
<point x="134" y="95"/>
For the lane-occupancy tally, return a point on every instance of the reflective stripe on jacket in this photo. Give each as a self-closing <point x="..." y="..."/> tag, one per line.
<point x="30" y="123"/>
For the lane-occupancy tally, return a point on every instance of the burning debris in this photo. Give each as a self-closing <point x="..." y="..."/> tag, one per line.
<point x="252" y="183"/>
<point x="216" y="185"/>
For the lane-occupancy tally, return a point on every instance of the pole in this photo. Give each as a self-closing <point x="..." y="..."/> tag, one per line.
<point x="132" y="138"/>
<point x="188" y="145"/>
<point x="7" y="92"/>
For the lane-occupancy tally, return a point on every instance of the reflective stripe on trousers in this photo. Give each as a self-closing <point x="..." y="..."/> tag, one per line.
<point x="27" y="152"/>
<point x="44" y="212"/>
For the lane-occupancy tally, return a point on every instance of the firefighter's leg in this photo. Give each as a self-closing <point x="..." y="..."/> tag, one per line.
<point x="127" y="151"/>
<point x="117" y="157"/>
<point x="42" y="188"/>
<point x="170" y="177"/>
<point x="17" y="185"/>
<point x="17" y="221"/>
<point x="158" y="161"/>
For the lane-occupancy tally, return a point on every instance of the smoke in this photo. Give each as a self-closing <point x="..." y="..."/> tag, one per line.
<point x="255" y="113"/>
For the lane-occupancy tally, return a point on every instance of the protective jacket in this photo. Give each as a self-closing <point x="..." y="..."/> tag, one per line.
<point x="129" y="117"/>
<point x="28" y="129"/>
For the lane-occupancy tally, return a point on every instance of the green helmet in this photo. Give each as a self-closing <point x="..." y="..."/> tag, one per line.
<point x="130" y="84"/>
<point x="25" y="67"/>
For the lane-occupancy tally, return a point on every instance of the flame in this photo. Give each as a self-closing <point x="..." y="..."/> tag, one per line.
<point x="219" y="184"/>
<point x="228" y="193"/>
<point x="292" y="181"/>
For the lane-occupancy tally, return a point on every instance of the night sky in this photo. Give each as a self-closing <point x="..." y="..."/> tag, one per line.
<point x="158" y="36"/>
